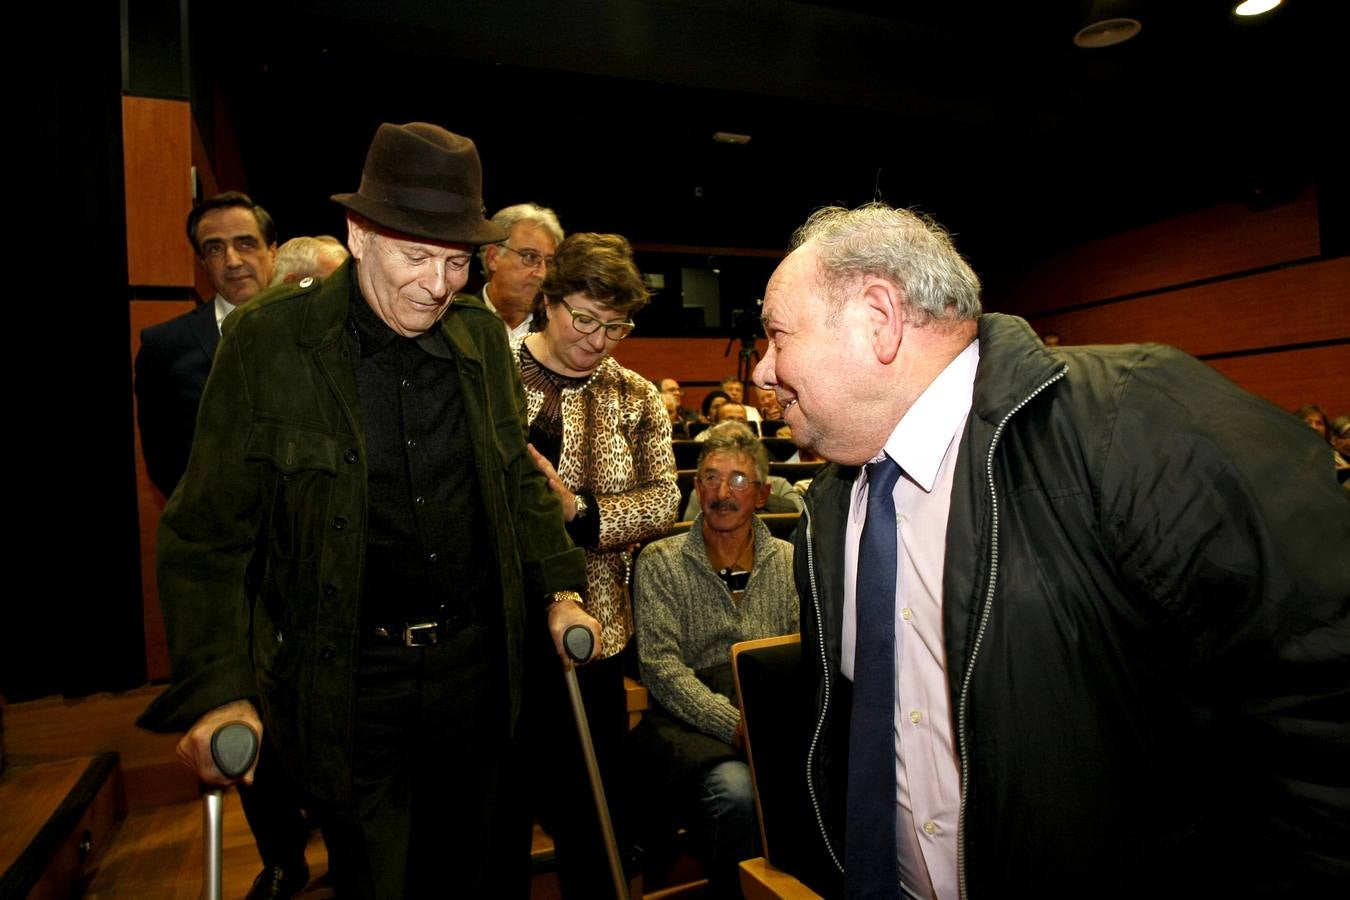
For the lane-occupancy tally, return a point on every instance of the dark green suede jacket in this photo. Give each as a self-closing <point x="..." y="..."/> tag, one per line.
<point x="262" y="545"/>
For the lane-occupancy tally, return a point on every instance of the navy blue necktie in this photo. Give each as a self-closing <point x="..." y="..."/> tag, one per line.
<point x="870" y="865"/>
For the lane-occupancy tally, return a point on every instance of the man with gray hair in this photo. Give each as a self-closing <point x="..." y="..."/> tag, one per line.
<point x="725" y="580"/>
<point x="307" y="257"/>
<point x="362" y="540"/>
<point x="514" y="268"/>
<point x="1076" y="616"/>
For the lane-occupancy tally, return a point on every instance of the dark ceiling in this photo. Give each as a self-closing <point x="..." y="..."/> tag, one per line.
<point x="985" y="116"/>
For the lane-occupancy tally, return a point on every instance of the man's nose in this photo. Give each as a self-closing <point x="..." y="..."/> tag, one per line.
<point x="764" y="375"/>
<point x="437" y="281"/>
<point x="232" y="257"/>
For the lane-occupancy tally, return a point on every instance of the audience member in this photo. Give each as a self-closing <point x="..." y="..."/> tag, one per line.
<point x="307" y="257"/>
<point x="514" y="268"/>
<point x="1050" y="591"/>
<point x="711" y="403"/>
<point x="679" y="428"/>
<point x="1314" y="418"/>
<point x="725" y="580"/>
<point x="672" y="387"/>
<point x="734" y="388"/>
<point x="359" y="448"/>
<point x="1340" y="443"/>
<point x="599" y="434"/>
<point x="236" y="244"/>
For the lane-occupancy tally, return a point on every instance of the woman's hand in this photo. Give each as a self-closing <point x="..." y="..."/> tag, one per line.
<point x="555" y="484"/>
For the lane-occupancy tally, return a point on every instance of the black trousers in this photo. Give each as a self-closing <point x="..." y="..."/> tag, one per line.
<point x="429" y="762"/>
<point x="272" y="807"/>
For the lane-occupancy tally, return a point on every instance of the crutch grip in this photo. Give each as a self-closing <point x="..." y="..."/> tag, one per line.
<point x="233" y="747"/>
<point x="579" y="642"/>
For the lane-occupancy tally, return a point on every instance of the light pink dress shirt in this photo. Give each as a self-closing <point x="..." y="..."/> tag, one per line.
<point x="927" y="771"/>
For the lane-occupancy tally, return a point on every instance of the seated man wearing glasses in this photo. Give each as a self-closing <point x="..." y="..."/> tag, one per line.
<point x="725" y="580"/>
<point x="515" y="268"/>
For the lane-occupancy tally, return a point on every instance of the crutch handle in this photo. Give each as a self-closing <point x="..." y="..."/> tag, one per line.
<point x="579" y="642"/>
<point x="233" y="747"/>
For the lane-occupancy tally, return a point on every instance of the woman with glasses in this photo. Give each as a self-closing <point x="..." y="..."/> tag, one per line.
<point x="601" y="436"/>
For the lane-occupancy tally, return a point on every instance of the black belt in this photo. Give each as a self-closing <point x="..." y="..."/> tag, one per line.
<point x="422" y="633"/>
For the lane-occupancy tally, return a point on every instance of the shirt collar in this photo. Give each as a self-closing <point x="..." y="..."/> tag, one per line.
<point x="923" y="436"/>
<point x="223" y="309"/>
<point x="372" y="335"/>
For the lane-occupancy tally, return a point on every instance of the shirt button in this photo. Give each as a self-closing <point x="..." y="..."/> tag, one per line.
<point x="916" y="717"/>
<point x="407" y="383"/>
<point x="330" y="590"/>
<point x="328" y="652"/>
<point x="411" y="442"/>
<point x="419" y="500"/>
<point x="930" y="828"/>
<point x="350" y="456"/>
<point x="432" y="557"/>
<point x="906" y="613"/>
<point x="339" y="523"/>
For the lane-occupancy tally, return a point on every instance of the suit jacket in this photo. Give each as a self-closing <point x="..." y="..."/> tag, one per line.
<point x="261" y="550"/>
<point x="171" y="369"/>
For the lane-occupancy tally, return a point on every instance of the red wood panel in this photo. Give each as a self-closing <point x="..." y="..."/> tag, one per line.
<point x="157" y="148"/>
<point x="149" y="503"/>
<point x="1205" y="244"/>
<point x="209" y="188"/>
<point x="1319" y="375"/>
<point x="1298" y="305"/>
<point x="686" y="360"/>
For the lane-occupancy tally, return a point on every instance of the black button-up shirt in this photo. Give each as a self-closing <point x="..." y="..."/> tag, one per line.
<point x="427" y="551"/>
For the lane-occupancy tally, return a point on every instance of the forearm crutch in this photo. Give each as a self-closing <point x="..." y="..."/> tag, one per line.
<point x="580" y="643"/>
<point x="233" y="747"/>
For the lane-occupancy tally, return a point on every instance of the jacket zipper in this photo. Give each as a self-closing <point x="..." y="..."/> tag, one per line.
<point x="825" y="705"/>
<point x="979" y="633"/>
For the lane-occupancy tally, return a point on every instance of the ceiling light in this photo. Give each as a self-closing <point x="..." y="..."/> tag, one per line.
<point x="1255" y="7"/>
<point x="727" y="137"/>
<point x="1106" y="33"/>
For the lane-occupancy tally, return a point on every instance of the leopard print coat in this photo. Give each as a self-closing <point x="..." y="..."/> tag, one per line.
<point x="616" y="445"/>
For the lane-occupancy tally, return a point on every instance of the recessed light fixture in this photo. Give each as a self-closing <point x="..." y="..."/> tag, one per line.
<point x="728" y="137"/>
<point x="1254" y="7"/>
<point x="1106" y="33"/>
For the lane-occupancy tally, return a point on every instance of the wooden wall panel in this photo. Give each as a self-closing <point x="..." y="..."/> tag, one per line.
<point x="1298" y="305"/>
<point x="687" y="360"/>
<point x="1290" y="379"/>
<point x="1205" y="244"/>
<point x="149" y="503"/>
<point x="157" y="144"/>
<point x="209" y="187"/>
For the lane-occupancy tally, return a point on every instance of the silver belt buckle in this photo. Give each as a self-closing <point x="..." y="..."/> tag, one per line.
<point x="421" y="634"/>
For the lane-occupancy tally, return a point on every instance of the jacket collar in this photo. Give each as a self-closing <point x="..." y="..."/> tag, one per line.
<point x="1013" y="363"/>
<point x="326" y="315"/>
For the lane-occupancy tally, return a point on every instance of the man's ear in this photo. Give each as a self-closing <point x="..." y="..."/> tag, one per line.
<point x="883" y="303"/>
<point x="490" y="258"/>
<point x="356" y="236"/>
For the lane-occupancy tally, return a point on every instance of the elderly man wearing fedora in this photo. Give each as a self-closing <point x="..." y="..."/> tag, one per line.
<point x="362" y="539"/>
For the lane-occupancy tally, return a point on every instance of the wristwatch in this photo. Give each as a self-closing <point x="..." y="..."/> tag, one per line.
<point x="582" y="507"/>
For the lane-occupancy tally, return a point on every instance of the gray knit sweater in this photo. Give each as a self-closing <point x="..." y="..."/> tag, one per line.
<point x="686" y="620"/>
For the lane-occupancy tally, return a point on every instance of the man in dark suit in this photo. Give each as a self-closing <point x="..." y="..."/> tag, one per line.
<point x="236" y="243"/>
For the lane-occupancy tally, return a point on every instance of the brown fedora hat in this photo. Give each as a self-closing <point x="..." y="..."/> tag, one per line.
<point x="423" y="181"/>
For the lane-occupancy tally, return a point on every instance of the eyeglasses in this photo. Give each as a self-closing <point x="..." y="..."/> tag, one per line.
<point x="737" y="482"/>
<point x="531" y="258"/>
<point x="588" y="324"/>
